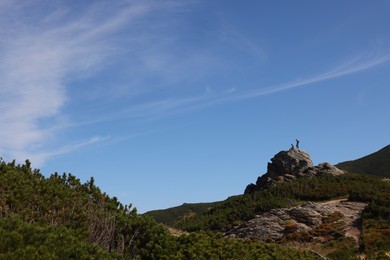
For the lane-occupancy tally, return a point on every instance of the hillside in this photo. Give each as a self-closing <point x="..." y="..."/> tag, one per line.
<point x="286" y="166"/>
<point x="299" y="211"/>
<point x="58" y="217"/>
<point x="377" y="163"/>
<point x="171" y="216"/>
<point x="375" y="224"/>
<point x="287" y="207"/>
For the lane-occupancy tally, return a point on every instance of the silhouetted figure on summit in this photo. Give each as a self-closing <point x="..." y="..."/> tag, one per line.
<point x="292" y="147"/>
<point x="297" y="143"/>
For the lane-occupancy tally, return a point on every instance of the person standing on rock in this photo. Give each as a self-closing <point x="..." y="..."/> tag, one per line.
<point x="297" y="143"/>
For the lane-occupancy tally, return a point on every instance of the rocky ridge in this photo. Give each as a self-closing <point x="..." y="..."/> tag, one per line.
<point x="276" y="224"/>
<point x="308" y="222"/>
<point x="290" y="165"/>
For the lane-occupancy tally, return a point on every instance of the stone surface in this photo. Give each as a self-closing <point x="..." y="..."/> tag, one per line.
<point x="290" y="165"/>
<point x="327" y="168"/>
<point x="276" y="223"/>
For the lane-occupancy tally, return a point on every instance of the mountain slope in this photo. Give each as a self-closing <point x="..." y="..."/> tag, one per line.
<point x="280" y="208"/>
<point x="58" y="217"/>
<point x="171" y="216"/>
<point x="377" y="163"/>
<point x="329" y="238"/>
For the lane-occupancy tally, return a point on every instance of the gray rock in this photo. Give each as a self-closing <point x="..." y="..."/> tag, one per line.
<point x="289" y="162"/>
<point x="276" y="223"/>
<point x="288" y="166"/>
<point x="309" y="214"/>
<point x="327" y="168"/>
<point x="266" y="226"/>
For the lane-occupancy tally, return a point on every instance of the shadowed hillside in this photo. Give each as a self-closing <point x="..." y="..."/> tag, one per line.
<point x="172" y="215"/>
<point x="377" y="164"/>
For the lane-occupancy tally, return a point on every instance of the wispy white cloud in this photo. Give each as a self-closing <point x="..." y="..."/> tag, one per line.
<point x="39" y="158"/>
<point x="166" y="107"/>
<point x="357" y="64"/>
<point x="354" y="65"/>
<point x="37" y="55"/>
<point x="159" y="108"/>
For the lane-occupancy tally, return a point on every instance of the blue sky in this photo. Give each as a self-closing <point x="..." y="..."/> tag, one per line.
<point x="166" y="102"/>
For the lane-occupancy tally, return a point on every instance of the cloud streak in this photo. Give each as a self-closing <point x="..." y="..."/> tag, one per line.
<point x="355" y="65"/>
<point x="157" y="109"/>
<point x="40" y="157"/>
<point x="38" y="54"/>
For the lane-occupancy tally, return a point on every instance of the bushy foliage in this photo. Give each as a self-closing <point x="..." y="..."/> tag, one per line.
<point x="62" y="201"/>
<point x="343" y="248"/>
<point x="21" y="240"/>
<point x="60" y="218"/>
<point x="213" y="246"/>
<point x="376" y="233"/>
<point x="376" y="219"/>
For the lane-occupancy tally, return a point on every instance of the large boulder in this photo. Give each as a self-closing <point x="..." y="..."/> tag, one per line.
<point x="290" y="165"/>
<point x="290" y="162"/>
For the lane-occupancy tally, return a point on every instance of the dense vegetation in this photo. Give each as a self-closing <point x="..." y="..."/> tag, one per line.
<point x="377" y="163"/>
<point x="376" y="219"/>
<point x="22" y="240"/>
<point x="60" y="205"/>
<point x="172" y="215"/>
<point x="61" y="218"/>
<point x="58" y="217"/>
<point x="357" y="187"/>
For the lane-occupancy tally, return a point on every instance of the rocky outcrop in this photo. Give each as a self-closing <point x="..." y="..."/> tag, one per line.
<point x="277" y="223"/>
<point x="327" y="168"/>
<point x="290" y="165"/>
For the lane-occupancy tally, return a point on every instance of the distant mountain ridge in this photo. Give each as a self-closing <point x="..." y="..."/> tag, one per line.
<point x="171" y="216"/>
<point x="377" y="164"/>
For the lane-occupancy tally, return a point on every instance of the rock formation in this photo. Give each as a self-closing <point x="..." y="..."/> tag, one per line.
<point x="290" y="165"/>
<point x="277" y="223"/>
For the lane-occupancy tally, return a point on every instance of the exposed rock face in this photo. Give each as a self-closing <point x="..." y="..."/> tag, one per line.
<point x="277" y="223"/>
<point x="290" y="165"/>
<point x="290" y="162"/>
<point x="327" y="168"/>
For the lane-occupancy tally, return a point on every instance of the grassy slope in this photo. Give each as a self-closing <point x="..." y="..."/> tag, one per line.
<point x="377" y="163"/>
<point x="172" y="215"/>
